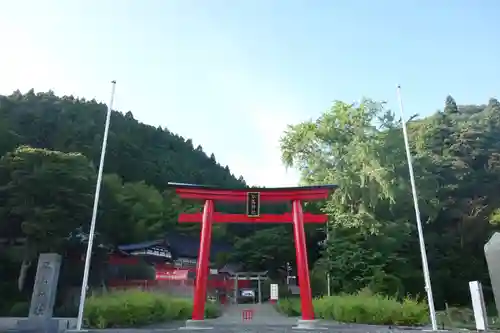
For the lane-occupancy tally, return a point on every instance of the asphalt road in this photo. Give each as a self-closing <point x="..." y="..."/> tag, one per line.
<point x="265" y="320"/>
<point x="252" y="328"/>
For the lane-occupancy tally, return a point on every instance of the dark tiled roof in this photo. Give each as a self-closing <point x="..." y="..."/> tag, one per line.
<point x="138" y="246"/>
<point x="231" y="268"/>
<point x="180" y="246"/>
<point x="188" y="246"/>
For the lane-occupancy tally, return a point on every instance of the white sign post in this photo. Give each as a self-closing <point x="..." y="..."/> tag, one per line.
<point x="480" y="316"/>
<point x="274" y="292"/>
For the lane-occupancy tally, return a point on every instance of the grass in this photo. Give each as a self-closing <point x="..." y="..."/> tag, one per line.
<point x="138" y="308"/>
<point x="367" y="308"/>
<point x="363" y="308"/>
<point x="460" y="317"/>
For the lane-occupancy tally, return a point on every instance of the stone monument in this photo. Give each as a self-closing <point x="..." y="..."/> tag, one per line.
<point x="44" y="296"/>
<point x="492" y="254"/>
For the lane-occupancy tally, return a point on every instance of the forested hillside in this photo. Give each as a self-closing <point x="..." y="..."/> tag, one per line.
<point x="137" y="152"/>
<point x="373" y="238"/>
<point x="50" y="149"/>
<point x="140" y="159"/>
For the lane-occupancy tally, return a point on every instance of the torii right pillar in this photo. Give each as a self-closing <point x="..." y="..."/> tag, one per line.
<point x="302" y="265"/>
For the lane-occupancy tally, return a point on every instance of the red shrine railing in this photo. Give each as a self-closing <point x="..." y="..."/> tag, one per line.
<point x="253" y="198"/>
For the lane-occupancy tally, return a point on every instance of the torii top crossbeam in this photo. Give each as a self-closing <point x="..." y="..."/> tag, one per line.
<point x="255" y="196"/>
<point x="268" y="194"/>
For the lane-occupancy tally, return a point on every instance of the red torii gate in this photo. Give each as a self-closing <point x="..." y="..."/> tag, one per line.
<point x="253" y="198"/>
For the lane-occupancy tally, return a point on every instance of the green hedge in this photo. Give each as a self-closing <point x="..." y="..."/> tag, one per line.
<point x="138" y="308"/>
<point x="363" y="308"/>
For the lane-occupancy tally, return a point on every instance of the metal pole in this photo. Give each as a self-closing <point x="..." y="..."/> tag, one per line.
<point x="260" y="290"/>
<point x="236" y="289"/>
<point x="288" y="265"/>
<point x="425" y="265"/>
<point x="328" y="288"/>
<point x="88" y="256"/>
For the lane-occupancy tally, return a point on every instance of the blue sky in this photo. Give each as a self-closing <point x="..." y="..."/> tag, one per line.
<point x="231" y="74"/>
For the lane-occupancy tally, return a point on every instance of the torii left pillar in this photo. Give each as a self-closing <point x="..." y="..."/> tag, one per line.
<point x="200" y="293"/>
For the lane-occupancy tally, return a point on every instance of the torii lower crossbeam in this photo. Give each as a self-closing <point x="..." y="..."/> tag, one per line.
<point x="241" y="218"/>
<point x="253" y="198"/>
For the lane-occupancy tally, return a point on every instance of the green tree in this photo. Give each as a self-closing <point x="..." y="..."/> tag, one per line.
<point x="450" y="106"/>
<point x="45" y="195"/>
<point x="265" y="250"/>
<point x="130" y="212"/>
<point x="373" y="237"/>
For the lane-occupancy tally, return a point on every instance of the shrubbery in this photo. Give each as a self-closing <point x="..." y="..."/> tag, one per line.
<point x="19" y="309"/>
<point x="289" y="306"/>
<point x="366" y="308"/>
<point x="137" y="308"/>
<point x="456" y="317"/>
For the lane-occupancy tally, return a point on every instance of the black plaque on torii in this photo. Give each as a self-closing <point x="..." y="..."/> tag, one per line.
<point x="253" y="204"/>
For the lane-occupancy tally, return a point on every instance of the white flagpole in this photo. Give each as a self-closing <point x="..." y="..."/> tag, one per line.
<point x="425" y="265"/>
<point x="88" y="256"/>
<point x="328" y="288"/>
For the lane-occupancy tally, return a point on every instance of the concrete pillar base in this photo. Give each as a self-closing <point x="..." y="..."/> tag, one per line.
<point x="308" y="325"/>
<point x="196" y="325"/>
